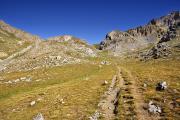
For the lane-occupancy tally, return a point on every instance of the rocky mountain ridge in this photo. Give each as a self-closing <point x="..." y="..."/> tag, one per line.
<point x="156" y="31"/>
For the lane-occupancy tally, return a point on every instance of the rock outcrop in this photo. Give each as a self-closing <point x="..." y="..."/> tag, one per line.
<point x="120" y="42"/>
<point x="157" y="31"/>
<point x="158" y="51"/>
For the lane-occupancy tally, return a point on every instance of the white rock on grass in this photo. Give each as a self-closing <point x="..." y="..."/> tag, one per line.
<point x="161" y="86"/>
<point x="105" y="82"/>
<point x="145" y="85"/>
<point x="17" y="80"/>
<point x="62" y="101"/>
<point x="105" y="63"/>
<point x="39" y="116"/>
<point x="23" y="78"/>
<point x="33" y="103"/>
<point x="28" y="80"/>
<point x="154" y="108"/>
<point x="8" y="82"/>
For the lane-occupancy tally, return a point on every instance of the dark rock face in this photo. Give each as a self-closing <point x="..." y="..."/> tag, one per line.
<point x="158" y="51"/>
<point x="171" y="33"/>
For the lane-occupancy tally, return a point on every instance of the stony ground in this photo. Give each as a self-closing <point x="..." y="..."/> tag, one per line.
<point x="103" y="88"/>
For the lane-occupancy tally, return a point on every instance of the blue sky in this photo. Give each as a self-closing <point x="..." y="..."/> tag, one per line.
<point x="86" y="19"/>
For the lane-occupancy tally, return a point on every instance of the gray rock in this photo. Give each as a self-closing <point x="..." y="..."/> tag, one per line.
<point x="153" y="108"/>
<point x="161" y="86"/>
<point x="158" y="51"/>
<point x="39" y="116"/>
<point x="95" y="116"/>
<point x="105" y="63"/>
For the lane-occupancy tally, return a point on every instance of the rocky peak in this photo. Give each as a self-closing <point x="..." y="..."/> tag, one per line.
<point x="167" y="20"/>
<point x="160" y="29"/>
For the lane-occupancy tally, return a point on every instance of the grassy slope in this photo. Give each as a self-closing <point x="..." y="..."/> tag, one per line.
<point x="79" y="85"/>
<point x="9" y="43"/>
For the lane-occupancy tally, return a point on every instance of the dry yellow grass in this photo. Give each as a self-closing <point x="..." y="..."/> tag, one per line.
<point x="80" y="87"/>
<point x="152" y="72"/>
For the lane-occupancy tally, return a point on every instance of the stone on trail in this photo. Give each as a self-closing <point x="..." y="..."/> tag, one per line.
<point x="105" y="63"/>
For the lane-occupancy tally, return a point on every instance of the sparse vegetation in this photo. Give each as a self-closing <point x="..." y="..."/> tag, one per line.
<point x="64" y="78"/>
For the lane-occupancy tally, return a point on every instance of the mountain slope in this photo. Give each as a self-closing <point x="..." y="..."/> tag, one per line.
<point x="53" y="52"/>
<point x="13" y="40"/>
<point x="141" y="37"/>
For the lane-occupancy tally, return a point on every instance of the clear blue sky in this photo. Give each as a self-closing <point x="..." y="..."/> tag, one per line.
<point x="86" y="19"/>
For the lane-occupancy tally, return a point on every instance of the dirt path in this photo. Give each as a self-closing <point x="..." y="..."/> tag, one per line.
<point x="138" y="99"/>
<point x="122" y="100"/>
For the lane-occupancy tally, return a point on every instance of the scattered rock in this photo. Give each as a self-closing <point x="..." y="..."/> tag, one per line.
<point x="8" y="82"/>
<point x="95" y="116"/>
<point x="105" y="82"/>
<point x="39" y="99"/>
<point x="160" y="50"/>
<point x="33" y="103"/>
<point x="144" y="85"/>
<point x="39" y="116"/>
<point x="62" y="101"/>
<point x="153" y="108"/>
<point x="161" y="86"/>
<point x="23" y="78"/>
<point x="105" y="63"/>
<point x="17" y="80"/>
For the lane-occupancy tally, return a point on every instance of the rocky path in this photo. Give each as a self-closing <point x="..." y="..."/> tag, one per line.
<point x="5" y="62"/>
<point x="108" y="105"/>
<point x="122" y="100"/>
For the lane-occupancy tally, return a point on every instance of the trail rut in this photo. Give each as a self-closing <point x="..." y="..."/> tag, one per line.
<point x="141" y="114"/>
<point x="123" y="93"/>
